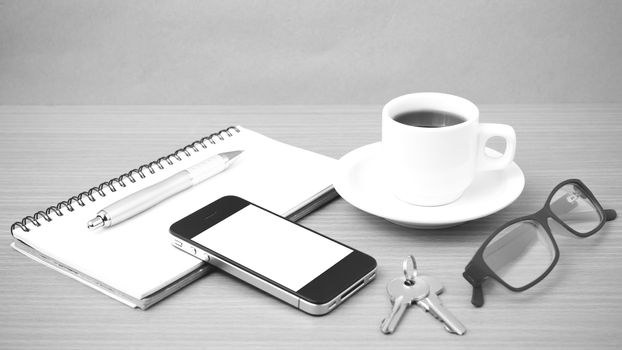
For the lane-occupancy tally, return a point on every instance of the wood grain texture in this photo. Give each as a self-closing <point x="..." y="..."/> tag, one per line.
<point x="50" y="153"/>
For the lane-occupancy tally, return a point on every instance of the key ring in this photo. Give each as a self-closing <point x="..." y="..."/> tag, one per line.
<point x="409" y="267"/>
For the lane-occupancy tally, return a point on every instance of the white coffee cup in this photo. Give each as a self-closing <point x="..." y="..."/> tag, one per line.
<point x="432" y="166"/>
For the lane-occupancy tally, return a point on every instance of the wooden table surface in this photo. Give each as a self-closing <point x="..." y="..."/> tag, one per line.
<point x="50" y="153"/>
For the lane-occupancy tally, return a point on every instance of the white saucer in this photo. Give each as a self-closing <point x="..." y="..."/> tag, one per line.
<point x="359" y="180"/>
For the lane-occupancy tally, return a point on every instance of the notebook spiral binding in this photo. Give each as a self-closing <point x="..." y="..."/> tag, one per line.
<point x="110" y="184"/>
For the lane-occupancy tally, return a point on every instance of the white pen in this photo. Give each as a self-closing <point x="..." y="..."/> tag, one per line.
<point x="148" y="197"/>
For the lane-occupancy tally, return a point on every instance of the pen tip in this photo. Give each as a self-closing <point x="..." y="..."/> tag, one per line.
<point x="229" y="156"/>
<point x="95" y="223"/>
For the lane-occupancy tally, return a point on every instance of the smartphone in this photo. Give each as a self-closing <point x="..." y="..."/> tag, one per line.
<point x="303" y="268"/>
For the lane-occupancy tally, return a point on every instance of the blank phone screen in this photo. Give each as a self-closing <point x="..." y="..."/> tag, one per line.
<point x="273" y="247"/>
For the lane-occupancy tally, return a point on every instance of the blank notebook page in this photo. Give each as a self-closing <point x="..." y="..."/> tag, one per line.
<point x="136" y="256"/>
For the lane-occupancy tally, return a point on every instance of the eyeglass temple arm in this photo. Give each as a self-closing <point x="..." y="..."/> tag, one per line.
<point x="474" y="276"/>
<point x="477" y="297"/>
<point x="610" y="214"/>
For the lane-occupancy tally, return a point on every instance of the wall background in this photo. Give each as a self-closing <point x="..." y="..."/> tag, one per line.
<point x="313" y="52"/>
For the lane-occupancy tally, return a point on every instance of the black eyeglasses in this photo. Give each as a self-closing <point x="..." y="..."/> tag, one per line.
<point x="522" y="252"/>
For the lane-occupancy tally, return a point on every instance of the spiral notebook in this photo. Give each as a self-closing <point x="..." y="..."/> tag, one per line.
<point x="134" y="262"/>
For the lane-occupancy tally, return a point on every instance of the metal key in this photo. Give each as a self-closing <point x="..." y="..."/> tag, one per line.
<point x="432" y="304"/>
<point x="436" y="286"/>
<point x="403" y="293"/>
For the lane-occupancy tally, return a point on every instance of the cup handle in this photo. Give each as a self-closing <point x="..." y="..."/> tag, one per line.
<point x="487" y="131"/>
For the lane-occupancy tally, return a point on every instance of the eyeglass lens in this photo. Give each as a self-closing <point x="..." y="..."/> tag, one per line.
<point x="575" y="208"/>
<point x="520" y="253"/>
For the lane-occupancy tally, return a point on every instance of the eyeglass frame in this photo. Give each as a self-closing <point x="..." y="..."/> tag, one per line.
<point x="477" y="270"/>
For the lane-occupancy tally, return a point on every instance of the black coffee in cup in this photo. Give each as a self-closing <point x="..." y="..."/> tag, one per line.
<point x="429" y="119"/>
